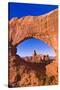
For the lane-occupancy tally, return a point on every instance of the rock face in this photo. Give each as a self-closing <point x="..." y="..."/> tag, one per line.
<point x="30" y="72"/>
<point x="23" y="73"/>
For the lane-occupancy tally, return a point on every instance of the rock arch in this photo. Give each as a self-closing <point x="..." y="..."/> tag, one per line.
<point x="44" y="27"/>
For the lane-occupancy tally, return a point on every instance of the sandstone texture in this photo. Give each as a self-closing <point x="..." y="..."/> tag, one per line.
<point x="39" y="71"/>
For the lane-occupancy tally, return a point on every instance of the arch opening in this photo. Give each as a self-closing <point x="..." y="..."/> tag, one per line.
<point x="29" y="45"/>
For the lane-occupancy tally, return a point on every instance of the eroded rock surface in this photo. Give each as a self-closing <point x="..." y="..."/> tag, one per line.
<point x="23" y="73"/>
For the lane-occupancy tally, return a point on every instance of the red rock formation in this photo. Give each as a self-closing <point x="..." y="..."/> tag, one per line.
<point x="44" y="27"/>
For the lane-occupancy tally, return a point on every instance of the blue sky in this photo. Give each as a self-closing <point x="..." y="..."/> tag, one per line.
<point x="23" y="9"/>
<point x="27" y="47"/>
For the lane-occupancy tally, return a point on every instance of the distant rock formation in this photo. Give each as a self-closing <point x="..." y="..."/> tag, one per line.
<point x="37" y="58"/>
<point x="34" y="54"/>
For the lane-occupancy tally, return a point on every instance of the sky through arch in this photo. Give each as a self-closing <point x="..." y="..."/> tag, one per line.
<point x="27" y="47"/>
